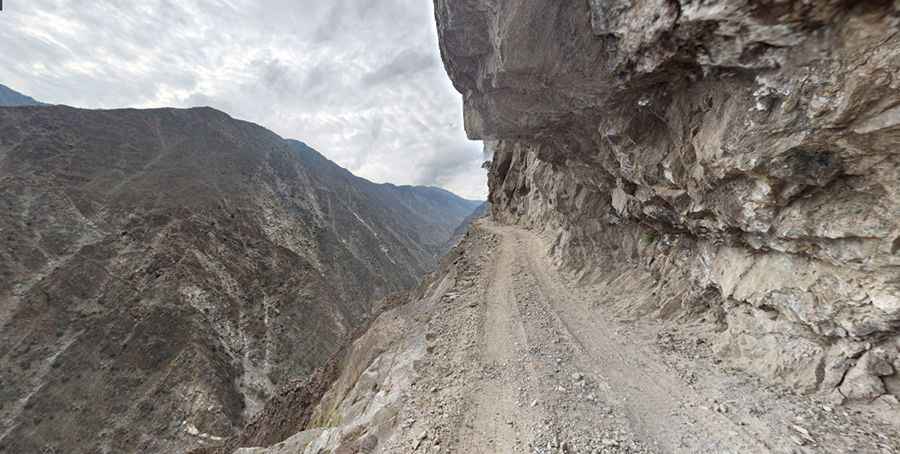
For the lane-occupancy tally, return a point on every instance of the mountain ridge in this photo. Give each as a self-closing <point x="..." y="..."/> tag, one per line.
<point x="402" y="186"/>
<point x="693" y="242"/>
<point x="178" y="266"/>
<point x="12" y="98"/>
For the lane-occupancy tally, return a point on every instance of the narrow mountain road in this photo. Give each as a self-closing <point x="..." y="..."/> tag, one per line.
<point x="560" y="377"/>
<point x="499" y="413"/>
<point x="651" y="398"/>
<point x="504" y="354"/>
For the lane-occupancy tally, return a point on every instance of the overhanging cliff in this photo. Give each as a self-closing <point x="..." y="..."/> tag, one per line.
<point x="746" y="153"/>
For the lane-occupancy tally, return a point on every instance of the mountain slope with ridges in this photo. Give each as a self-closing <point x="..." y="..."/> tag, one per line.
<point x="163" y="271"/>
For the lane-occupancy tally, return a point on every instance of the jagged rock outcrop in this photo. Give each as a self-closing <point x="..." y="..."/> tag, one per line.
<point x="746" y="152"/>
<point x="162" y="272"/>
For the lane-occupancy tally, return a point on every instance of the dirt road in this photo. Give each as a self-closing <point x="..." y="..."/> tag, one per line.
<point x="561" y="375"/>
<point x="502" y="353"/>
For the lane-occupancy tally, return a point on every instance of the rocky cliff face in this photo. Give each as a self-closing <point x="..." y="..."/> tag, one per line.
<point x="162" y="272"/>
<point x="746" y="153"/>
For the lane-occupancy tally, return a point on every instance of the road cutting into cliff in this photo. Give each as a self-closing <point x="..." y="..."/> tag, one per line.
<point x="504" y="352"/>
<point x="564" y="375"/>
<point x="563" y="372"/>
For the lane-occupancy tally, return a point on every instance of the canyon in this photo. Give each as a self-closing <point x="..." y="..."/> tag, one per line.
<point x="165" y="271"/>
<point x="693" y="242"/>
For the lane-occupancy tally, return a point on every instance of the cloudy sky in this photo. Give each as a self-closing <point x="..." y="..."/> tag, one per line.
<point x="359" y="80"/>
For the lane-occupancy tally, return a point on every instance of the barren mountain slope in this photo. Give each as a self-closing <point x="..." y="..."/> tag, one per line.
<point x="436" y="213"/>
<point x="163" y="271"/>
<point x="694" y="243"/>
<point x="500" y="353"/>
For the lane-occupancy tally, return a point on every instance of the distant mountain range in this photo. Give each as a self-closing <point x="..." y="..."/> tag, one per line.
<point x="163" y="271"/>
<point x="12" y="98"/>
<point x="400" y="206"/>
<point x="459" y="233"/>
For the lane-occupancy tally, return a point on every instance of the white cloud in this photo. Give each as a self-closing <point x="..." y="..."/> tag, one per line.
<point x="359" y="80"/>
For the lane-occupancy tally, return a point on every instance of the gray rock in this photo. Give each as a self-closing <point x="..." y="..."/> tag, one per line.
<point x="747" y="157"/>
<point x="179" y="266"/>
<point x="863" y="381"/>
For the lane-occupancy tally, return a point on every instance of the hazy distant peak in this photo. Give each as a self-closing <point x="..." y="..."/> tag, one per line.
<point x="12" y="98"/>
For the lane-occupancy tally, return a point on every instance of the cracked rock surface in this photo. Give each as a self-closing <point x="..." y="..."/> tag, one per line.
<point x="693" y="246"/>
<point x="750" y="149"/>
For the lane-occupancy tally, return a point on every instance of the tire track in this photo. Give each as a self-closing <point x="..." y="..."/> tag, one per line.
<point x="659" y="405"/>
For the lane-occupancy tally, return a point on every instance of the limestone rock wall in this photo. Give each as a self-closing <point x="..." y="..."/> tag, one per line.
<point x="748" y="152"/>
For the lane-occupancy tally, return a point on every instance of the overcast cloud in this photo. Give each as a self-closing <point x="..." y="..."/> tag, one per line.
<point x="359" y="80"/>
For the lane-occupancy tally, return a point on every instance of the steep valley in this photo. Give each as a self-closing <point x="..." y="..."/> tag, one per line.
<point x="693" y="242"/>
<point x="165" y="271"/>
<point x="500" y="353"/>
